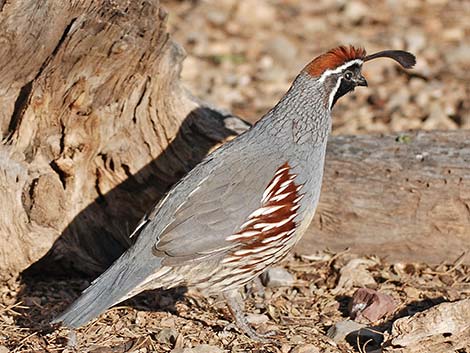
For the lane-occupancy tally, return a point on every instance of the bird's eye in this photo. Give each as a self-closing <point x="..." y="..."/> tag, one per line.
<point x="348" y="75"/>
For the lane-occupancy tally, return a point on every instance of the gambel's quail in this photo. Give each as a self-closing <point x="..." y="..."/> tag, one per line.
<point x="244" y="206"/>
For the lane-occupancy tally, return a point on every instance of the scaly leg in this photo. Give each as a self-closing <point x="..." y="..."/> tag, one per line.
<point x="235" y="305"/>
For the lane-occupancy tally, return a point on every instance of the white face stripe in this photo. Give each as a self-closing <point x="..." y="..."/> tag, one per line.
<point x="333" y="92"/>
<point x="339" y="69"/>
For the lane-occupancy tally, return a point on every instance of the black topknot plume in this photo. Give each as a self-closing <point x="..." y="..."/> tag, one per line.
<point x="404" y="58"/>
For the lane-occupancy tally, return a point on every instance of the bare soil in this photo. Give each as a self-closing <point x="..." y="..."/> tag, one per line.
<point x="160" y="321"/>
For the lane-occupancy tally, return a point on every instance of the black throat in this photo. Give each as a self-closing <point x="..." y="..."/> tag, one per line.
<point x="344" y="87"/>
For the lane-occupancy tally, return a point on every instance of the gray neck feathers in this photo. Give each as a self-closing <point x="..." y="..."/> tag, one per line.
<point x="302" y="115"/>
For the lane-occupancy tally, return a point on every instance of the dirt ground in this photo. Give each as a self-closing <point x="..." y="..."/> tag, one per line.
<point x="159" y="321"/>
<point x="242" y="56"/>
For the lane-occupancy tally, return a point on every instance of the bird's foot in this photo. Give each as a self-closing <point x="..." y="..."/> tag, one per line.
<point x="234" y="302"/>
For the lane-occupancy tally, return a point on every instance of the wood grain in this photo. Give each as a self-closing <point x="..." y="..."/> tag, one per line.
<point x="405" y="197"/>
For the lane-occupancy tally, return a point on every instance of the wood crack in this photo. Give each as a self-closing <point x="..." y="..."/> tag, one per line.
<point x="24" y="95"/>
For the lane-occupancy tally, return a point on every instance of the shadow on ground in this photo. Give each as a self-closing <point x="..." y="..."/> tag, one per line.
<point x="99" y="234"/>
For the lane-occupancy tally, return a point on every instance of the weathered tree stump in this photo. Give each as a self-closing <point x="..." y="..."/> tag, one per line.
<point x="96" y="126"/>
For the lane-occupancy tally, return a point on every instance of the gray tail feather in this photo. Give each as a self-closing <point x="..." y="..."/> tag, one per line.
<point x="109" y="289"/>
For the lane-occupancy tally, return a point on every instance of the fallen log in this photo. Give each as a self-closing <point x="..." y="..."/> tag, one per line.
<point x="405" y="197"/>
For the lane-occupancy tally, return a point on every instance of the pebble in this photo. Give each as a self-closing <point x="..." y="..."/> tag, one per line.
<point x="305" y="348"/>
<point x="217" y="17"/>
<point x="416" y="41"/>
<point x="453" y="34"/>
<point x="355" y="11"/>
<point x="277" y="277"/>
<point x="256" y="319"/>
<point x="203" y="348"/>
<point x="355" y="273"/>
<point x="167" y="335"/>
<point x="281" y="49"/>
<point x="460" y="55"/>
<point x="345" y="329"/>
<point x="341" y="329"/>
<point x="368" y="305"/>
<point x="438" y="119"/>
<point x="261" y="14"/>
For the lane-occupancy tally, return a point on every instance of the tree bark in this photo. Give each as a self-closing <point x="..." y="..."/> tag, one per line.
<point x="96" y="127"/>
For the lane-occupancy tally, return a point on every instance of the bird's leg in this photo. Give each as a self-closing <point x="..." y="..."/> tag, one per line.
<point x="236" y="307"/>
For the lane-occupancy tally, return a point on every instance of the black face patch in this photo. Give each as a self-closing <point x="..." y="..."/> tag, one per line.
<point x="344" y="87"/>
<point x="346" y="84"/>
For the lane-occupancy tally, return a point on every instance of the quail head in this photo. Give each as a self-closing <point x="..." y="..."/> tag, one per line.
<point x="244" y="206"/>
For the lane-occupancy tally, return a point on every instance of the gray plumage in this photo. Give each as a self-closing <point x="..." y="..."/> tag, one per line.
<point x="189" y="226"/>
<point x="240" y="210"/>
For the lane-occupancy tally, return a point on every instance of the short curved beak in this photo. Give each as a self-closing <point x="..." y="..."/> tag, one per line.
<point x="360" y="81"/>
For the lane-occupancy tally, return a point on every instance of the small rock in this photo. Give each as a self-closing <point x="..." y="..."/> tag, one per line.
<point x="355" y="11"/>
<point x="460" y="55"/>
<point x="355" y="273"/>
<point x="217" y="17"/>
<point x="202" y="348"/>
<point x="296" y="339"/>
<point x="282" y="50"/>
<point x="341" y="329"/>
<point x="141" y="319"/>
<point x="277" y="277"/>
<point x="257" y="319"/>
<point x="167" y="335"/>
<point x="368" y="305"/>
<point x="416" y="41"/>
<point x="438" y="119"/>
<point x="4" y="349"/>
<point x="305" y="348"/>
<point x="261" y="14"/>
<point x="453" y="34"/>
<point x="352" y="332"/>
<point x="285" y="348"/>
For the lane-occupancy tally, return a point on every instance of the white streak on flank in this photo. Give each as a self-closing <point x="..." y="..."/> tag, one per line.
<point x="327" y="73"/>
<point x="251" y="251"/>
<point x="280" y="190"/>
<point x="285" y="240"/>
<point x="159" y="273"/>
<point x="229" y="259"/>
<point x="279" y="171"/>
<point x="264" y="211"/>
<point x="280" y="197"/>
<point x="286" y="183"/>
<point x="267" y="226"/>
<point x="271" y="251"/>
<point x="270" y="188"/>
<point x="298" y="198"/>
<point x="294" y="208"/>
<point x="247" y="234"/>
<point x="275" y="237"/>
<point x="239" y="271"/>
<point x="299" y="187"/>
<point x="248" y="223"/>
